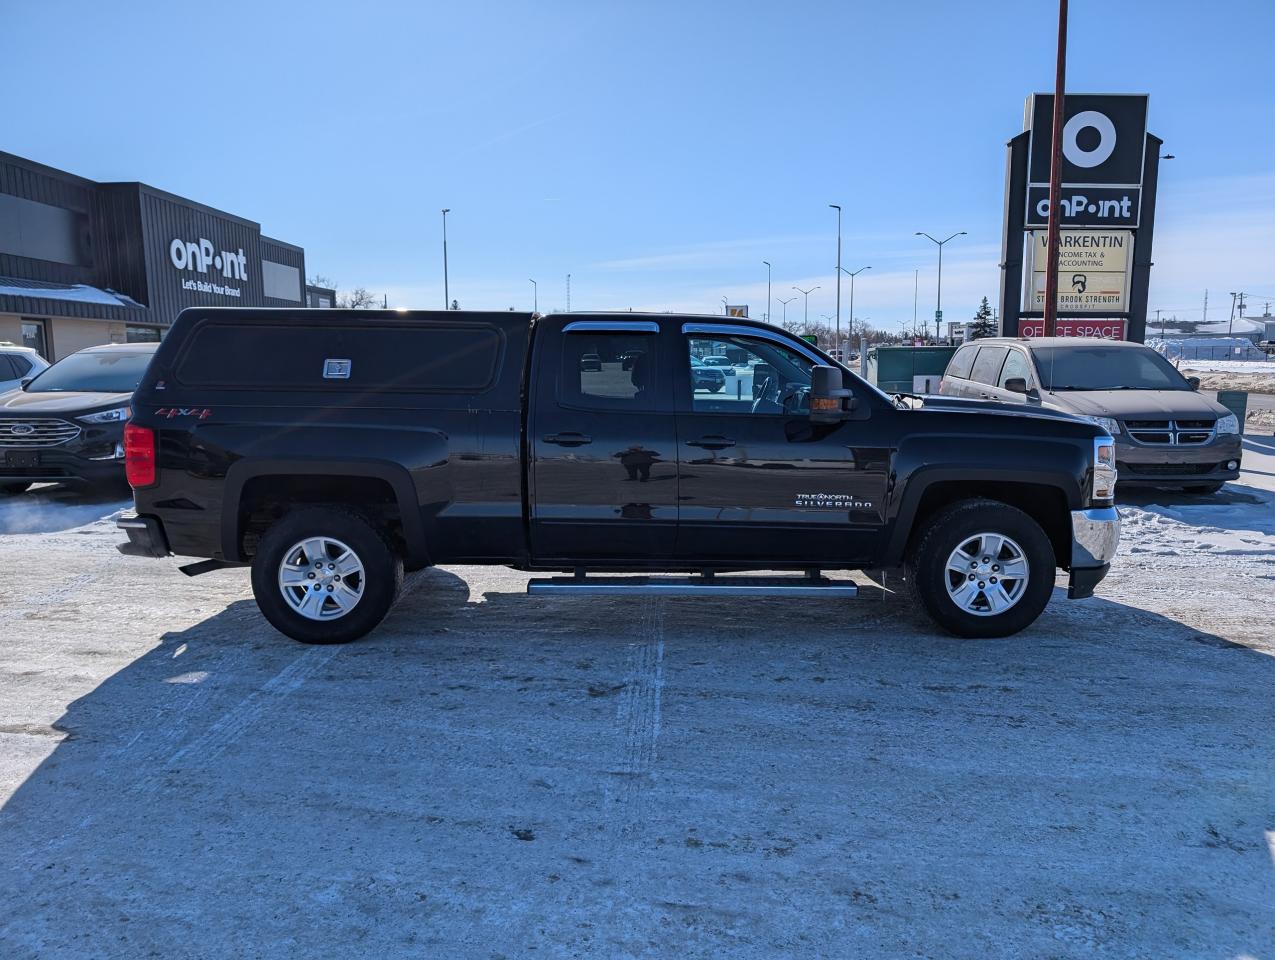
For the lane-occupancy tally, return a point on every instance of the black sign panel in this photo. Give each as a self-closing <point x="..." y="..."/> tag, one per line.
<point x="1086" y="206"/>
<point x="1103" y="138"/>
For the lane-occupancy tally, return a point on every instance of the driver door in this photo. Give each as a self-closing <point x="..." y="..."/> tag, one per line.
<point x="756" y="479"/>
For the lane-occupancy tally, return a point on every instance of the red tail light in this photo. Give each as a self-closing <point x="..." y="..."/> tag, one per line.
<point x="139" y="455"/>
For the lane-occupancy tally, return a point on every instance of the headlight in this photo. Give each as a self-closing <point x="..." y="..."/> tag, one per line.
<point x="118" y="415"/>
<point x="1104" y="468"/>
<point x="1228" y="424"/>
<point x="1107" y="423"/>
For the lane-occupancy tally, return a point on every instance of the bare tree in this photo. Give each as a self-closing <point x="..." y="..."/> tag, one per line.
<point x="360" y="298"/>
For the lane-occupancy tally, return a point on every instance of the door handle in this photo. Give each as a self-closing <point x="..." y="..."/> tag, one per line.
<point x="568" y="439"/>
<point x="712" y="442"/>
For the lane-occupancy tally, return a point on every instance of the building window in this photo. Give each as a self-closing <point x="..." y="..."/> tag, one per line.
<point x="35" y="335"/>
<point x="141" y="334"/>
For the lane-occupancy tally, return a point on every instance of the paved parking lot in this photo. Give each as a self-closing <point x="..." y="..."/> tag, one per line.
<point x="494" y="776"/>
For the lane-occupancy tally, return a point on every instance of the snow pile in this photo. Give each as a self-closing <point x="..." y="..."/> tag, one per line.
<point x="1229" y="366"/>
<point x="1232" y="525"/>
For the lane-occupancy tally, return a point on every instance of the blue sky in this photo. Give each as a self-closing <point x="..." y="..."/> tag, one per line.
<point x="656" y="151"/>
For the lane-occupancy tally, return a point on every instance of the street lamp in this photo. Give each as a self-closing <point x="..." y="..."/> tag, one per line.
<point x="838" y="274"/>
<point x="785" y="303"/>
<point x="806" y="316"/>
<point x="938" y="304"/>
<point x="447" y="300"/>
<point x="767" y="263"/>
<point x="851" y="276"/>
<point x="725" y="306"/>
<point x="535" y="295"/>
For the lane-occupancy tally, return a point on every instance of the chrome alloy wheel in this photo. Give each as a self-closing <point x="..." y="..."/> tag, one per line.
<point x="987" y="574"/>
<point x="321" y="578"/>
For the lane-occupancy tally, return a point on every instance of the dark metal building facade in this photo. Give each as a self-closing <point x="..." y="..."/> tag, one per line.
<point x="83" y="262"/>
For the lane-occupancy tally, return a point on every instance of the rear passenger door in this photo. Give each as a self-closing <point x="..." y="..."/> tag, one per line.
<point x="603" y="444"/>
<point x="955" y="381"/>
<point x="987" y="368"/>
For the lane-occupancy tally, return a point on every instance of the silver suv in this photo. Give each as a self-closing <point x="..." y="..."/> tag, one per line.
<point x="18" y="364"/>
<point x="1166" y="433"/>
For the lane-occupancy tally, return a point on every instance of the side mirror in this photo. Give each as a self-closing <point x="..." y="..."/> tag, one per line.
<point x="1194" y="382"/>
<point x="26" y="382"/>
<point x="1016" y="385"/>
<point x="829" y="399"/>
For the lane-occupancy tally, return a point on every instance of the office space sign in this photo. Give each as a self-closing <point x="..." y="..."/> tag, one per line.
<point x="1104" y="139"/>
<point x="1075" y="327"/>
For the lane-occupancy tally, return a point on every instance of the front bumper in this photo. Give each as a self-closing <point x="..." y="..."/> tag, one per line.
<point x="1146" y="465"/>
<point x="94" y="456"/>
<point x="1095" y="534"/>
<point x="145" y="537"/>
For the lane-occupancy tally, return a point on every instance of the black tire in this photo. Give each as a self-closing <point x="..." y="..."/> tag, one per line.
<point x="925" y="568"/>
<point x="13" y="489"/>
<point x="1203" y="487"/>
<point x="381" y="579"/>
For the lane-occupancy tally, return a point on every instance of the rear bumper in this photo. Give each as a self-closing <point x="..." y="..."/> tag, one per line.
<point x="1095" y="534"/>
<point x="145" y="537"/>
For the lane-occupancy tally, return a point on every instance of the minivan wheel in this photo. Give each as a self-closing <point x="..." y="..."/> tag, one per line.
<point x="980" y="568"/>
<point x="323" y="575"/>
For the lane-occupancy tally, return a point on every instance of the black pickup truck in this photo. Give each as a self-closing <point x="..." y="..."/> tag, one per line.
<point x="331" y="450"/>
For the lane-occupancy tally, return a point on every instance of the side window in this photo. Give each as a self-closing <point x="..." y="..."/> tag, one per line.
<point x="751" y="375"/>
<point x="962" y="362"/>
<point x="21" y="365"/>
<point x="988" y="364"/>
<point x="1016" y="365"/>
<point x="610" y="371"/>
<point x="9" y="368"/>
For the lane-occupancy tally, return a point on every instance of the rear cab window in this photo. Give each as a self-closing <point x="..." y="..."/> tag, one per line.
<point x="610" y="371"/>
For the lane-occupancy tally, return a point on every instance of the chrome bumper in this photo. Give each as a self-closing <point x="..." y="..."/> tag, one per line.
<point x="1095" y="534"/>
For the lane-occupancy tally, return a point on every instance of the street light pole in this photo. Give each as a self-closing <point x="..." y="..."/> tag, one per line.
<point x="851" y="276"/>
<point x="938" y="303"/>
<point x="447" y="298"/>
<point x="785" y="303"/>
<point x="535" y="296"/>
<point x="838" y="273"/>
<point x="725" y="307"/>
<point x="806" y="316"/>
<point x="767" y="263"/>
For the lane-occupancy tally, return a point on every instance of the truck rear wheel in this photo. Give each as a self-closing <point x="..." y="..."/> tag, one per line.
<point x="322" y="575"/>
<point x="980" y="568"/>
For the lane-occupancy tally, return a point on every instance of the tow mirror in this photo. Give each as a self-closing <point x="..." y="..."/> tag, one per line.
<point x="1194" y="382"/>
<point x="829" y="399"/>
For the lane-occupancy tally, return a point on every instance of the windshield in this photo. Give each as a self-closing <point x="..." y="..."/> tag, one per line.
<point x="93" y="373"/>
<point x="1100" y="367"/>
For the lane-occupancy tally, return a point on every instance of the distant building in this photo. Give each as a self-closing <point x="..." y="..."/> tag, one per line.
<point x="84" y="263"/>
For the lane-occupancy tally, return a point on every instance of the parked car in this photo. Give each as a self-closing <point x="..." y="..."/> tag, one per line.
<point x="721" y="363"/>
<point x="706" y="378"/>
<point x="1166" y="433"/>
<point x="591" y="362"/>
<point x="329" y="450"/>
<point x="67" y="424"/>
<point x="18" y="364"/>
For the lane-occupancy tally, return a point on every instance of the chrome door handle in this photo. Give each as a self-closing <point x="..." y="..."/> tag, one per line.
<point x="568" y="439"/>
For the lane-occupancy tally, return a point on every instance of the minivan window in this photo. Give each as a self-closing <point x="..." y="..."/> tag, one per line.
<point x="1101" y="367"/>
<point x="104" y="372"/>
<point x="988" y="364"/>
<point x="961" y="364"/>
<point x="1015" y="366"/>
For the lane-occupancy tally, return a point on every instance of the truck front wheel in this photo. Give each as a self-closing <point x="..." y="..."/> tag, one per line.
<point x="323" y="575"/>
<point x="980" y="568"/>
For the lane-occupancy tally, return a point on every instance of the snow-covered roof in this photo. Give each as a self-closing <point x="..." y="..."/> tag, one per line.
<point x="72" y="292"/>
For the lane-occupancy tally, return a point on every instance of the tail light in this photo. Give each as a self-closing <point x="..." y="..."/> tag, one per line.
<point x="139" y="455"/>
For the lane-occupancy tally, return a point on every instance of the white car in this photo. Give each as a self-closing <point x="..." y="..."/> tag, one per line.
<point x="18" y="364"/>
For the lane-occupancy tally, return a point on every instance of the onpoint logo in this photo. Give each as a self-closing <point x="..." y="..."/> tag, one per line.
<point x="201" y="256"/>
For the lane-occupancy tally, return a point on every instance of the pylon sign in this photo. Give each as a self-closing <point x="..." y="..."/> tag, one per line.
<point x="1104" y="139"/>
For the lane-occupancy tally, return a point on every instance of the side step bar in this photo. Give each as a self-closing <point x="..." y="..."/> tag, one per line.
<point x="705" y="586"/>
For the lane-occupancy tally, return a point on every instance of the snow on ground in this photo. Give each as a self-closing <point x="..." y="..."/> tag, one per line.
<point x="49" y="508"/>
<point x="1229" y="366"/>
